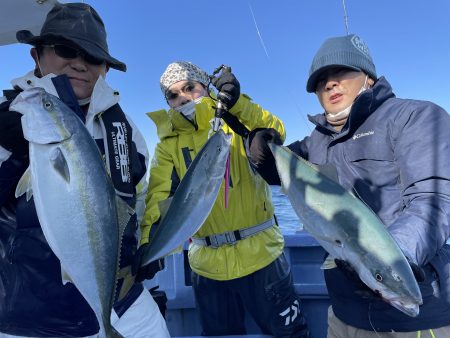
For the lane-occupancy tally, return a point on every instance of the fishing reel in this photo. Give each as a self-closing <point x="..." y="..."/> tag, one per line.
<point x="221" y="108"/>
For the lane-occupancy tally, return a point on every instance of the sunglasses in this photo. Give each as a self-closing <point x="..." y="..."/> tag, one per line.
<point x="69" y="53"/>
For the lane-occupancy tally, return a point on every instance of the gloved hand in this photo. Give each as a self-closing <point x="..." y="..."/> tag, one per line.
<point x="11" y="134"/>
<point x="228" y="87"/>
<point x="260" y="154"/>
<point x="362" y="289"/>
<point x="147" y="271"/>
<point x="348" y="270"/>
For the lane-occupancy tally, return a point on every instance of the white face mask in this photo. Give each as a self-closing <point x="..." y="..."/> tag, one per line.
<point x="188" y="109"/>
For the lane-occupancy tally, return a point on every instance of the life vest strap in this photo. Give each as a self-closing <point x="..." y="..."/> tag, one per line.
<point x="232" y="237"/>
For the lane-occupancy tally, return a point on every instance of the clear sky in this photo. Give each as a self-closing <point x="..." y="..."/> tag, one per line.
<point x="409" y="42"/>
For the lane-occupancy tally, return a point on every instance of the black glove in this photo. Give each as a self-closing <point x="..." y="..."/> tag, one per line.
<point x="261" y="155"/>
<point x="418" y="272"/>
<point x="228" y="87"/>
<point x="147" y="271"/>
<point x="362" y="289"/>
<point x="11" y="134"/>
<point x="348" y="270"/>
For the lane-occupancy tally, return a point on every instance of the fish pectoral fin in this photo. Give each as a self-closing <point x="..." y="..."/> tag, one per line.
<point x="322" y="237"/>
<point x="329" y="263"/>
<point x="164" y="206"/>
<point x="60" y="164"/>
<point x="24" y="185"/>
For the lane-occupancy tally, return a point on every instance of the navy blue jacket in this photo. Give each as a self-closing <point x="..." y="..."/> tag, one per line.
<point x="33" y="300"/>
<point x="395" y="154"/>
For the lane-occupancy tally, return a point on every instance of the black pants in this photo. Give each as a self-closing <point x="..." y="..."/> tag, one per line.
<point x="267" y="294"/>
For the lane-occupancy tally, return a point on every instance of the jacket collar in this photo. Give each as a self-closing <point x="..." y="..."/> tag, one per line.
<point x="364" y="105"/>
<point x="171" y="123"/>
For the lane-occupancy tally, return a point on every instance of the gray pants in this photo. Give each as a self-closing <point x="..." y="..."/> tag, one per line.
<point x="338" y="329"/>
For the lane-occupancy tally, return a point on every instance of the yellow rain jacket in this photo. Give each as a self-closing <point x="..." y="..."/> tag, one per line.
<point x="249" y="201"/>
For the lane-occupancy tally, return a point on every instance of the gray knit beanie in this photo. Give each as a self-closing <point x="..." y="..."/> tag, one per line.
<point x="347" y="51"/>
<point x="179" y="71"/>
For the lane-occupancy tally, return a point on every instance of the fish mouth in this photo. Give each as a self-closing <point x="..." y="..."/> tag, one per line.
<point x="410" y="309"/>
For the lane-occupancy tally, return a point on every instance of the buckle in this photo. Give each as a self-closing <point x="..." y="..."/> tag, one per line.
<point x="225" y="238"/>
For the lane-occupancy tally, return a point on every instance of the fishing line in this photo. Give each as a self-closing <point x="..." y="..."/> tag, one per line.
<point x="370" y="321"/>
<point x="257" y="30"/>
<point x="267" y="54"/>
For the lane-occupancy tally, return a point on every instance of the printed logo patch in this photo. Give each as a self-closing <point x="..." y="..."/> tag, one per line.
<point x="360" y="45"/>
<point x="291" y="313"/>
<point x="121" y="151"/>
<point x="359" y="135"/>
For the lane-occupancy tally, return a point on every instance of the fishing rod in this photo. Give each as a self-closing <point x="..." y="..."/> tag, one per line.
<point x="345" y="16"/>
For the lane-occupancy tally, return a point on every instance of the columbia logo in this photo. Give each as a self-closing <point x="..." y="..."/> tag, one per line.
<point x="294" y="309"/>
<point x="357" y="136"/>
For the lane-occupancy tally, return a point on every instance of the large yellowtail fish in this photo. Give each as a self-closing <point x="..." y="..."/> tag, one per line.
<point x="184" y="213"/>
<point x="348" y="229"/>
<point x="80" y="215"/>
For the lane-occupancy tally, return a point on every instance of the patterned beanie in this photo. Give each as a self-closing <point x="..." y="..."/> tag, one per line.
<point x="179" y="71"/>
<point x="347" y="51"/>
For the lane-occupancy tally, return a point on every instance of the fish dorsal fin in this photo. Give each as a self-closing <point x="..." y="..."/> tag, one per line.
<point x="124" y="213"/>
<point x="164" y="206"/>
<point x="60" y="164"/>
<point x="329" y="170"/>
<point x="65" y="277"/>
<point x="24" y="185"/>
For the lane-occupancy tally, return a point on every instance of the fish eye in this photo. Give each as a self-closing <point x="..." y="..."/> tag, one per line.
<point x="378" y="277"/>
<point x="48" y="105"/>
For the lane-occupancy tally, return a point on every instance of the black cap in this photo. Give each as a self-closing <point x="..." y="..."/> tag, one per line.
<point x="79" y="24"/>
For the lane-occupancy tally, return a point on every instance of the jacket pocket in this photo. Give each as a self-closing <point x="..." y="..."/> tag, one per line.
<point x="372" y="163"/>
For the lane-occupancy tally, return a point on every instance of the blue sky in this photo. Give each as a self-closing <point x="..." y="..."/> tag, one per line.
<point x="409" y="42"/>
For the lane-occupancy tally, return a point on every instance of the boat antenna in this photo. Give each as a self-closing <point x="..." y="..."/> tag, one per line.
<point x="345" y="16"/>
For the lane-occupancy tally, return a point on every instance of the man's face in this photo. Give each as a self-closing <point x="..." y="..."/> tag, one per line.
<point x="82" y="74"/>
<point x="182" y="92"/>
<point x="338" y="87"/>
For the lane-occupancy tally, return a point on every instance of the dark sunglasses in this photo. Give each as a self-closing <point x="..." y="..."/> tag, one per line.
<point x="67" y="52"/>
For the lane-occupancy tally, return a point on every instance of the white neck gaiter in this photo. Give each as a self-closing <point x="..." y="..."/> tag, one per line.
<point x="85" y="101"/>
<point x="339" y="119"/>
